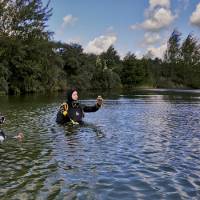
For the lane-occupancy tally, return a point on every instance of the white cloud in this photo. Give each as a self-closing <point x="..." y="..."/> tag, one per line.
<point x="195" y="17"/>
<point x="68" y="20"/>
<point x="76" y="40"/>
<point x="100" y="44"/>
<point x="158" y="51"/>
<point x="151" y="38"/>
<point x="162" y="3"/>
<point x="160" y="18"/>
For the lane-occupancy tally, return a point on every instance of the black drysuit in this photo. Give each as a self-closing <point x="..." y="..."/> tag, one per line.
<point x="75" y="110"/>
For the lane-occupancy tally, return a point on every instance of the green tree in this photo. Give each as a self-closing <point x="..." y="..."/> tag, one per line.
<point x="134" y="71"/>
<point x="24" y="18"/>
<point x="104" y="77"/>
<point x="25" y="45"/>
<point x="111" y="60"/>
<point x="172" y="57"/>
<point x="172" y="54"/>
<point x="73" y="57"/>
<point x="190" y="61"/>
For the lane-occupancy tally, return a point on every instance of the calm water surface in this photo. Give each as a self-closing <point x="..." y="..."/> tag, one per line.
<point x="145" y="145"/>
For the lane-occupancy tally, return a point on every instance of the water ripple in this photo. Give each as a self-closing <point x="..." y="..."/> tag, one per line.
<point x="145" y="147"/>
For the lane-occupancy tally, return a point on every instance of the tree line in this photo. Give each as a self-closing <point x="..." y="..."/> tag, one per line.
<point x="31" y="61"/>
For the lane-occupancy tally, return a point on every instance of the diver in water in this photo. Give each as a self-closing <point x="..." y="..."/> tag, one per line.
<point x="72" y="111"/>
<point x="3" y="136"/>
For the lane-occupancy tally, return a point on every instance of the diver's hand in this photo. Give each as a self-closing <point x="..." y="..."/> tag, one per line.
<point x="19" y="136"/>
<point x="99" y="101"/>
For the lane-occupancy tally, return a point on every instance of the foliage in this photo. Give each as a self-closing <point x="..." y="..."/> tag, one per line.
<point x="30" y="61"/>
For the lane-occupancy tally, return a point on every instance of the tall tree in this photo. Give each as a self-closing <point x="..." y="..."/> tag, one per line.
<point x="172" y="57"/>
<point x="190" y="50"/>
<point x="172" y="53"/>
<point x="26" y="50"/>
<point x="190" y="57"/>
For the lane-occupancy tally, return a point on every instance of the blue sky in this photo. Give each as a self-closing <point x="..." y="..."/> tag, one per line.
<point x="129" y="25"/>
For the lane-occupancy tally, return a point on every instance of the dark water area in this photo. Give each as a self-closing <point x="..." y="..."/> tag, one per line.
<point x="142" y="144"/>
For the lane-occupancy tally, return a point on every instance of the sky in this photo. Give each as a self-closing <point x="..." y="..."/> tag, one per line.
<point x="135" y="26"/>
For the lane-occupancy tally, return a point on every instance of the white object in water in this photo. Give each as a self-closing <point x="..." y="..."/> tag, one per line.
<point x="2" y="136"/>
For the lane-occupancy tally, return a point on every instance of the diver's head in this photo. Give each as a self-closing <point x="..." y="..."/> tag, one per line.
<point x="75" y="96"/>
<point x="72" y="95"/>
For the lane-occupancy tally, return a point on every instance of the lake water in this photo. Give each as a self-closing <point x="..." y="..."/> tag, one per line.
<point x="144" y="145"/>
